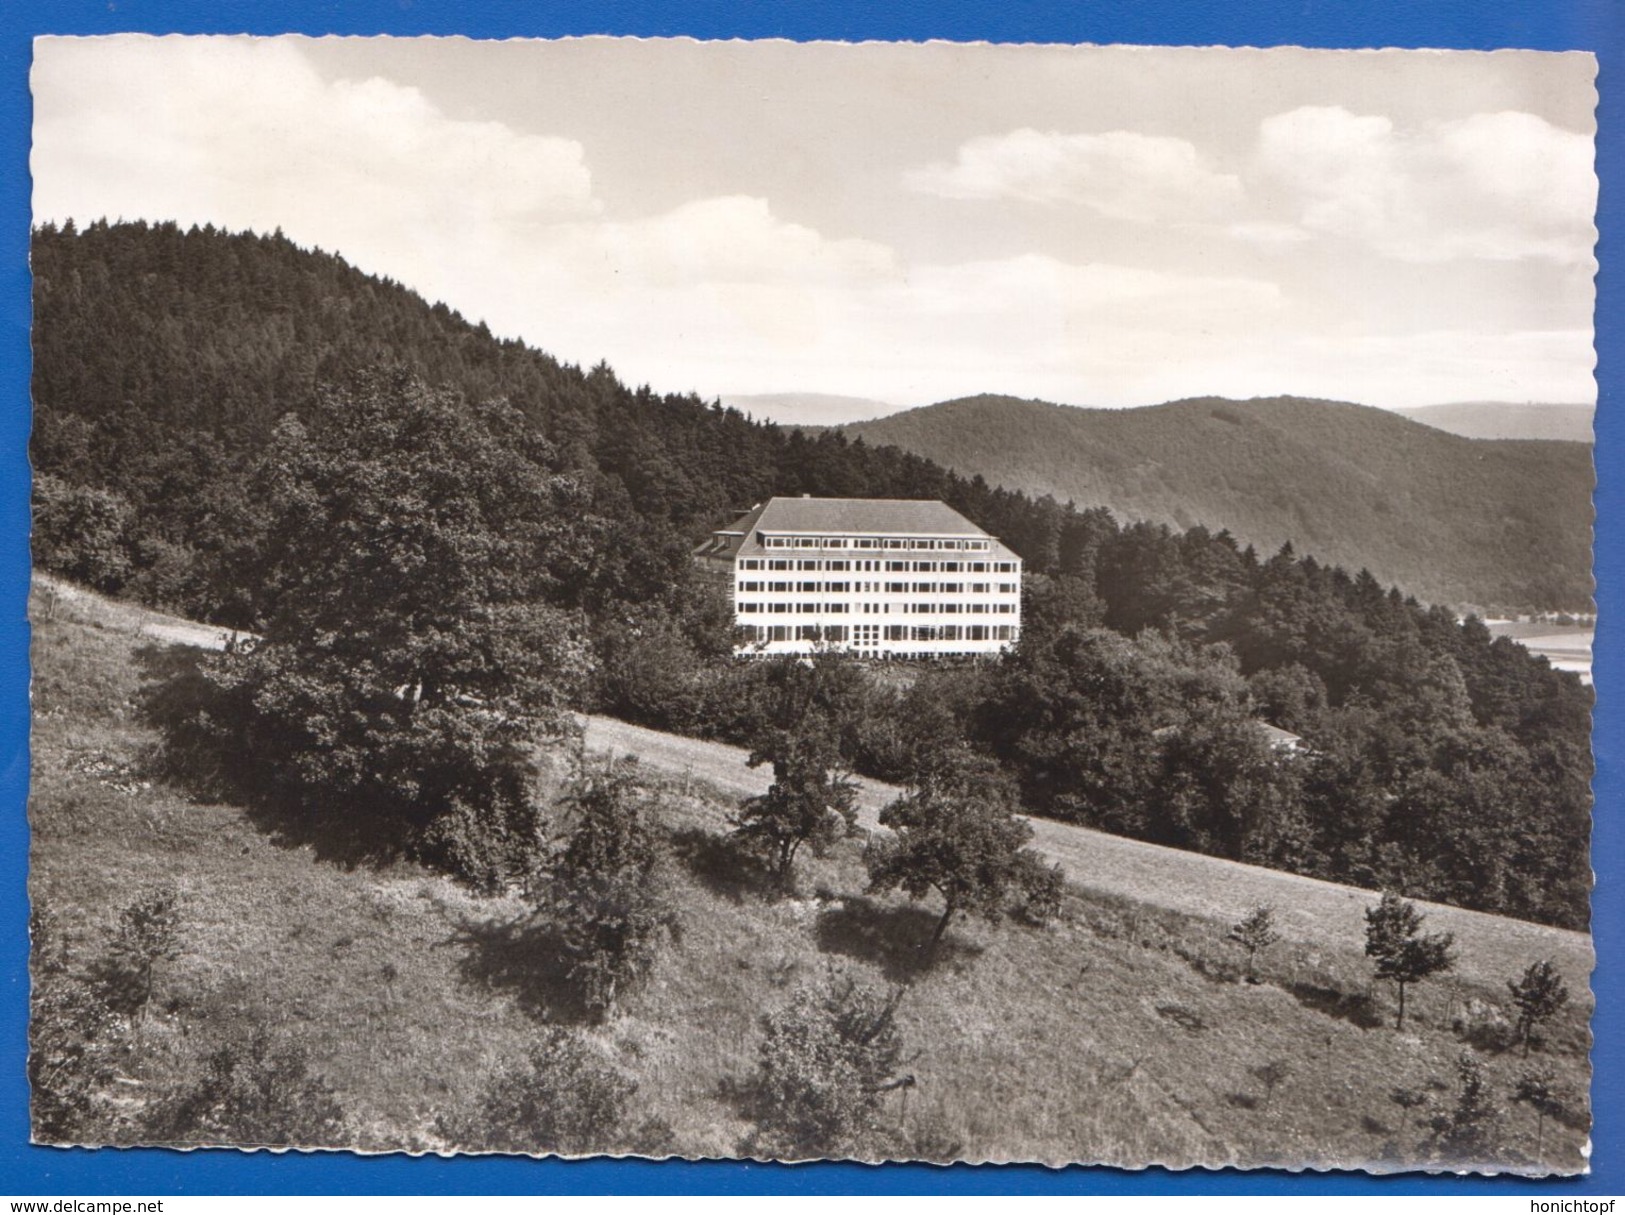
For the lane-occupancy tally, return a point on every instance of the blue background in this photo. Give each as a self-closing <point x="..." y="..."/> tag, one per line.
<point x="1594" y="25"/>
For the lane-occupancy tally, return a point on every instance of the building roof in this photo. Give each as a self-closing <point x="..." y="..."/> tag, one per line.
<point x="842" y="517"/>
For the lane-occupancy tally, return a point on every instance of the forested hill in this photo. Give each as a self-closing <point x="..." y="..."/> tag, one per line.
<point x="163" y="358"/>
<point x="1450" y="519"/>
<point x="260" y="436"/>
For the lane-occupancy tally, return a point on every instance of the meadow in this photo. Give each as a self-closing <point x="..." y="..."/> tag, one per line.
<point x="1122" y="1033"/>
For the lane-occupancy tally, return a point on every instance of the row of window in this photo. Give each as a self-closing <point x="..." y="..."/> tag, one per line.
<point x="809" y="608"/>
<point x="891" y="567"/>
<point x="893" y="632"/>
<point x="803" y="586"/>
<point x="909" y="543"/>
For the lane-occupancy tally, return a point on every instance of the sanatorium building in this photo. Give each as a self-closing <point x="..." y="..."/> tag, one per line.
<point x="878" y="576"/>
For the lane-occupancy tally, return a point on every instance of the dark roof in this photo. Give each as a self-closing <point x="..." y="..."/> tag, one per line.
<point x="843" y="517"/>
<point x="861" y="517"/>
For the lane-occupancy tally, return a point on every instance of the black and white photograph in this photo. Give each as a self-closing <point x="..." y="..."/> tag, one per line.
<point x="948" y="602"/>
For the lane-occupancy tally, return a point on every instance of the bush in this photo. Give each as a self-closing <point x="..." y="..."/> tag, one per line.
<point x="560" y="1099"/>
<point x="254" y="1091"/>
<point x="604" y="891"/>
<point x="827" y="1058"/>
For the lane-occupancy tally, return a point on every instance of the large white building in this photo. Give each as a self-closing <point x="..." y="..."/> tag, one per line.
<point x="878" y="576"/>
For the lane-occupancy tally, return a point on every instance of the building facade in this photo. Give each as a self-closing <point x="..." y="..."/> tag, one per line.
<point x="877" y="576"/>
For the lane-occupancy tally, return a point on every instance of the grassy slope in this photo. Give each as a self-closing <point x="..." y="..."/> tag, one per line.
<point x="1117" y="1035"/>
<point x="1447" y="518"/>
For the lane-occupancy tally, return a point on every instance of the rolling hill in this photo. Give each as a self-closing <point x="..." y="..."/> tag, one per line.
<point x="1507" y="420"/>
<point x="1490" y="523"/>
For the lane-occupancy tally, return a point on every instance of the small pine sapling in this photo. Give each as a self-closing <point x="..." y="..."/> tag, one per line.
<point x="1401" y="951"/>
<point x="1255" y="932"/>
<point x="1539" y="995"/>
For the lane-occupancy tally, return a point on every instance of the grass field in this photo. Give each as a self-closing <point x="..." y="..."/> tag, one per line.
<point x="1120" y="1034"/>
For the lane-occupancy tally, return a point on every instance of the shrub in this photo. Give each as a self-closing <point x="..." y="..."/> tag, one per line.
<point x="254" y="1091"/>
<point x="827" y="1058"/>
<point x="604" y="890"/>
<point x="561" y="1099"/>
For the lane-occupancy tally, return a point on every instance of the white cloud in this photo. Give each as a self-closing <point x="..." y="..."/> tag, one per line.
<point x="1121" y="174"/>
<point x="731" y="239"/>
<point x="243" y="133"/>
<point x="728" y="292"/>
<point x="1499" y="186"/>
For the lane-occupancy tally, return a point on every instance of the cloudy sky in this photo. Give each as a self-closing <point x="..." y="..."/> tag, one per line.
<point x="1096" y="226"/>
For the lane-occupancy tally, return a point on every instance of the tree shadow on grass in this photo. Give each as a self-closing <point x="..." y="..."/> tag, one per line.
<point x="187" y="709"/>
<point x="1357" y="1008"/>
<point x="523" y="957"/>
<point x="719" y="865"/>
<point x="895" y="938"/>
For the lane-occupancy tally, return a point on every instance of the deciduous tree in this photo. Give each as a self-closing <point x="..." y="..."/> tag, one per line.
<point x="958" y="835"/>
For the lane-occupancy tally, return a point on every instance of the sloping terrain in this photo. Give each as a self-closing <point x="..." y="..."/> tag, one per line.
<point x="1121" y="1033"/>
<point x="1448" y="519"/>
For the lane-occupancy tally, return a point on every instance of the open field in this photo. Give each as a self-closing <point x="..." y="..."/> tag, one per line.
<point x="1122" y="1033"/>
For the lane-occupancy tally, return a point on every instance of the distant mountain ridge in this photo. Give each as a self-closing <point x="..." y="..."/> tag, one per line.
<point x="1451" y="519"/>
<point x="809" y="410"/>
<point x="1507" y="420"/>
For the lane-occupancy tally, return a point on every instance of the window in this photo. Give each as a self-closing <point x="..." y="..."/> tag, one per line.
<point x="865" y="544"/>
<point x="897" y="632"/>
<point x="835" y="607"/>
<point x="1008" y="588"/>
<point x="978" y="632"/>
<point x="780" y="565"/>
<point x="777" y="542"/>
<point x="750" y="607"/>
<point x="1006" y="567"/>
<point x="950" y="632"/>
<point x="1004" y="632"/>
<point x="750" y="563"/>
<point x="780" y="632"/>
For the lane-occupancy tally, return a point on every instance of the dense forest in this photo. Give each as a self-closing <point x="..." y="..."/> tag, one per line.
<point x="212" y="432"/>
<point x="1499" y="523"/>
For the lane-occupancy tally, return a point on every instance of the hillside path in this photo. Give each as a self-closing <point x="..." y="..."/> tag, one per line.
<point x="1307" y="910"/>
